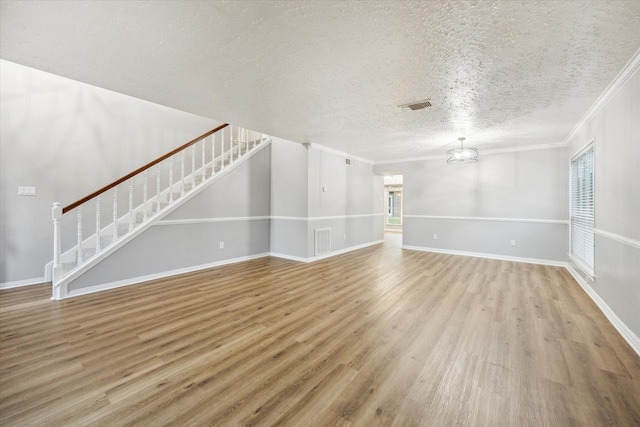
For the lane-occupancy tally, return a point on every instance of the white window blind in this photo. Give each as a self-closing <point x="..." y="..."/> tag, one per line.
<point x="582" y="207"/>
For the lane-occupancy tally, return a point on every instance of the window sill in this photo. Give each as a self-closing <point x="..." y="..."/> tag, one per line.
<point x="588" y="271"/>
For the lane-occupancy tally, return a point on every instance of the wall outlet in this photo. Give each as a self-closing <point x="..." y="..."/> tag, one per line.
<point x="513" y="243"/>
<point x="26" y="191"/>
<point x="435" y="237"/>
<point x="345" y="237"/>
<point x="324" y="189"/>
<point x="221" y="245"/>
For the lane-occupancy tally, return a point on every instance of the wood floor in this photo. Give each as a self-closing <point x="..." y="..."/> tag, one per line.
<point x="380" y="336"/>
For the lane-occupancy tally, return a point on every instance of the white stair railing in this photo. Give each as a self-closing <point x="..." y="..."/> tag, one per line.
<point x="215" y="155"/>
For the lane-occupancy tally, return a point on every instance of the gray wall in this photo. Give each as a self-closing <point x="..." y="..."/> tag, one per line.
<point x="523" y="193"/>
<point x="234" y="210"/>
<point x="68" y="139"/>
<point x="352" y="206"/>
<point x="616" y="129"/>
<point x="289" y="198"/>
<point x="353" y="196"/>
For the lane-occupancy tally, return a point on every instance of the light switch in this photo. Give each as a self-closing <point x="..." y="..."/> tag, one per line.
<point x="26" y="191"/>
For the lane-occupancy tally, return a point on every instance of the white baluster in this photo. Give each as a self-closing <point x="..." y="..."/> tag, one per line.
<point x="231" y="144"/>
<point x="213" y="154"/>
<point x="158" y="188"/>
<point x="193" y="166"/>
<point x="98" y="245"/>
<point x="56" y="214"/>
<point x="240" y="130"/>
<point x="79" y="236"/>
<point x="222" y="150"/>
<point x="115" y="214"/>
<point x="130" y="205"/>
<point x="182" y="174"/>
<point x="171" y="180"/>
<point x="144" y="195"/>
<point x="203" y="170"/>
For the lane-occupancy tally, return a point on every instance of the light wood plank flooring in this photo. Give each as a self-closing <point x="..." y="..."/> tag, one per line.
<point x="380" y="336"/>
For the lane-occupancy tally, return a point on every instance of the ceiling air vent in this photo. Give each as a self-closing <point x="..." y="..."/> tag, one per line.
<point x="416" y="105"/>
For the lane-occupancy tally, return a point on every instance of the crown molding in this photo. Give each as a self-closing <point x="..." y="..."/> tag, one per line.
<point x="623" y="76"/>
<point x="339" y="153"/>
<point x="550" y="146"/>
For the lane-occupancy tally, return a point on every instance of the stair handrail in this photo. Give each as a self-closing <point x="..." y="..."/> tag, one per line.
<point x="141" y="169"/>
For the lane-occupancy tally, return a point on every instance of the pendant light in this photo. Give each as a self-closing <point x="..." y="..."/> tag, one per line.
<point x="462" y="155"/>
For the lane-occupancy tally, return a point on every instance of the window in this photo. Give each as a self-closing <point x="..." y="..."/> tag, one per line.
<point x="582" y="209"/>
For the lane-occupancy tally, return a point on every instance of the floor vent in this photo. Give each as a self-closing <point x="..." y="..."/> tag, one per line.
<point x="323" y="241"/>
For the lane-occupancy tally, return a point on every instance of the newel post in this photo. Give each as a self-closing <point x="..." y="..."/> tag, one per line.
<point x="56" y="214"/>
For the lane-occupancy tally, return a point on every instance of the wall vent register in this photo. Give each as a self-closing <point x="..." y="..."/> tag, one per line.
<point x="419" y="105"/>
<point x="322" y="241"/>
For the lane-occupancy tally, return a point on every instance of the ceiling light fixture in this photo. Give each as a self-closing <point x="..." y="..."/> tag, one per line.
<point x="462" y="155"/>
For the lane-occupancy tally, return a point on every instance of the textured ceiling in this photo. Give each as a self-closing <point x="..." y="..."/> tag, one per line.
<point x="503" y="74"/>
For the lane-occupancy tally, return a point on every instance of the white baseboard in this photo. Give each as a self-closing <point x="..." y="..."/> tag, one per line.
<point x="21" y="283"/>
<point x="617" y="323"/>
<point x="161" y="275"/>
<point x="626" y="333"/>
<point x="329" y="255"/>
<point x="289" y="257"/>
<point x="489" y="256"/>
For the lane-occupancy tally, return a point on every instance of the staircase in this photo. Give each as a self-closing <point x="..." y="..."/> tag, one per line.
<point x="95" y="226"/>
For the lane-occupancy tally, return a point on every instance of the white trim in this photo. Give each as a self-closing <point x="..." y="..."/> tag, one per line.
<point x="345" y="250"/>
<point x="617" y="323"/>
<point x="209" y="220"/>
<point x="164" y="274"/>
<point x="413" y="159"/>
<point x="482" y="151"/>
<point x="488" y="256"/>
<point x="329" y="255"/>
<point x="550" y="146"/>
<point x="625" y="74"/>
<point x="289" y="257"/>
<point x="323" y="218"/>
<point x="480" y="218"/>
<point x="584" y="267"/>
<point x="583" y="150"/>
<point x="161" y="275"/>
<point x="21" y="283"/>
<point x="622" y="239"/>
<point x="340" y="153"/>
<point x="290" y="218"/>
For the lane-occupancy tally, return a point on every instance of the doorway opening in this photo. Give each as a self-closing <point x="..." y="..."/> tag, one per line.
<point x="393" y="203"/>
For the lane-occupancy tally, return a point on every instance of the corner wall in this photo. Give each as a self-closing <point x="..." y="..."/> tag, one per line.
<point x="347" y="198"/>
<point x="615" y="129"/>
<point x="352" y="205"/>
